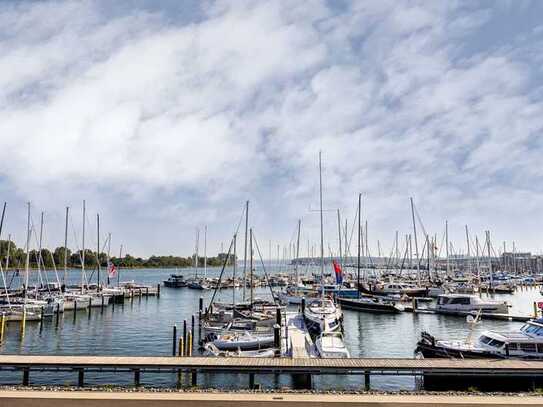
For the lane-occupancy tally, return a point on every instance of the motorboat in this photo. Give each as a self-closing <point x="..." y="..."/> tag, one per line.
<point x="323" y="315"/>
<point x="526" y="343"/>
<point x="370" y="304"/>
<point x="244" y="341"/>
<point x="211" y="350"/>
<point x="175" y="281"/>
<point x="331" y="345"/>
<point x="466" y="303"/>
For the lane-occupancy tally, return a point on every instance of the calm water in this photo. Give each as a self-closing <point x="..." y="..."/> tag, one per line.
<point x="144" y="327"/>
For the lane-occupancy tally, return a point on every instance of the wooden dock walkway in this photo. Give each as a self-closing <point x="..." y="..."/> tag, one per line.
<point x="251" y="366"/>
<point x="297" y="342"/>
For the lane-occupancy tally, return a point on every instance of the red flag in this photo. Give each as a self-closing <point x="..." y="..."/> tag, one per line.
<point x="339" y="272"/>
<point x="111" y="270"/>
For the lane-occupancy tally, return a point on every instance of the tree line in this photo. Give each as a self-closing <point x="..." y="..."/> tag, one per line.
<point x="74" y="259"/>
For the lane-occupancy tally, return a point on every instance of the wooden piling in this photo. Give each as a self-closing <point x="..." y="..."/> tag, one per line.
<point x="174" y="340"/>
<point x="189" y="347"/>
<point x="194" y="378"/>
<point x="26" y="376"/>
<point x="158" y="290"/>
<point x="184" y="336"/>
<point x="137" y="377"/>
<point x="2" y="327"/>
<point x="181" y="346"/>
<point x="23" y="323"/>
<point x="535" y="309"/>
<point x="80" y="377"/>
<point x="367" y="381"/>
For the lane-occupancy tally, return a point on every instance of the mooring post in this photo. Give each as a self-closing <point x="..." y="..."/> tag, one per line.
<point x="277" y="336"/>
<point x="80" y="377"/>
<point x="26" y="376"/>
<point x="75" y="308"/>
<point x="303" y="305"/>
<point x="23" y="323"/>
<point x="58" y="313"/>
<point x="112" y="304"/>
<point x="102" y="305"/>
<point x="367" y="380"/>
<point x="185" y="336"/>
<point x="414" y="301"/>
<point x="158" y="290"/>
<point x="2" y="327"/>
<point x="174" y="341"/>
<point x="535" y="309"/>
<point x="189" y="344"/>
<point x="251" y="381"/>
<point x="42" y="315"/>
<point x="137" y="377"/>
<point x="194" y="378"/>
<point x="192" y="322"/>
<point x="278" y="316"/>
<point x="181" y="347"/>
<point x="200" y="306"/>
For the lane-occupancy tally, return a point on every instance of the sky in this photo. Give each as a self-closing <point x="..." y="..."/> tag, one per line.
<point x="166" y="116"/>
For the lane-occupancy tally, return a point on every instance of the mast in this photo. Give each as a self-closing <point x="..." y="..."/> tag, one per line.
<point x="98" y="249"/>
<point x="477" y="258"/>
<point x="205" y="252"/>
<point x="358" y="253"/>
<point x="322" y="228"/>
<point x="489" y="259"/>
<point x="196" y="259"/>
<point x="447" y="243"/>
<point x="108" y="256"/>
<point x="234" y="274"/>
<point x="66" y="247"/>
<point x="245" y="250"/>
<point x="27" y="256"/>
<point x="469" y="251"/>
<point x="7" y="254"/>
<point x="120" y="259"/>
<point x="339" y="235"/>
<point x="83" y="254"/>
<point x="39" y="259"/>
<point x="251" y="266"/>
<point x="416" y="241"/>
<point x="297" y="254"/>
<point x="397" y="256"/>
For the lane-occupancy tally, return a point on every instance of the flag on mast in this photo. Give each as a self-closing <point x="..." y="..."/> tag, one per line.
<point x="339" y="272"/>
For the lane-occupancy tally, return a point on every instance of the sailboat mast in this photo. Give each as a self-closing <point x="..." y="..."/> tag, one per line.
<point x="322" y="227"/>
<point x="196" y="259"/>
<point x="205" y="251"/>
<point x="234" y="273"/>
<point x="416" y="241"/>
<point x="358" y="254"/>
<point x="108" y="256"/>
<point x="245" y="254"/>
<point x="297" y="254"/>
<point x="83" y="250"/>
<point x="489" y="259"/>
<point x="251" y="266"/>
<point x="120" y="259"/>
<point x="66" y="247"/>
<point x="40" y="260"/>
<point x="447" y="249"/>
<point x="339" y="235"/>
<point x="98" y="249"/>
<point x="27" y="255"/>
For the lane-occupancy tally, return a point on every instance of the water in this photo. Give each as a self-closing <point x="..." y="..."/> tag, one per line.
<point x="143" y="327"/>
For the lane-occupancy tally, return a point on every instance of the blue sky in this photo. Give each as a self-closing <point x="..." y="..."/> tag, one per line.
<point x="168" y="115"/>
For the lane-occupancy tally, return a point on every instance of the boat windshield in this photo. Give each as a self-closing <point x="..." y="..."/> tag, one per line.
<point x="532" y="329"/>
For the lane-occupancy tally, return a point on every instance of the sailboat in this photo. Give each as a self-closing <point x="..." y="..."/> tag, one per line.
<point x="322" y="314"/>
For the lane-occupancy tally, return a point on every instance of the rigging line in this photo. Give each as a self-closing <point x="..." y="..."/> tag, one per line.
<point x="220" y="278"/>
<point x="44" y="240"/>
<point x="264" y="268"/>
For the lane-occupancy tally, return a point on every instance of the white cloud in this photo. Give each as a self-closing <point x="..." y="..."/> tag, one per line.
<point x="166" y="125"/>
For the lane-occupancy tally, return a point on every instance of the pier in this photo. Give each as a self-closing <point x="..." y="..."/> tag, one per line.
<point x="80" y="365"/>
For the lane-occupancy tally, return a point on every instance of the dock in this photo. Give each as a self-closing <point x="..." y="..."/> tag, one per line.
<point x="489" y="368"/>
<point x="297" y="342"/>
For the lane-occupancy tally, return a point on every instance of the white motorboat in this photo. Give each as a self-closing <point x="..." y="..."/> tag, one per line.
<point x="526" y="343"/>
<point x="211" y="350"/>
<point x="323" y="315"/>
<point x="459" y="303"/>
<point x="243" y="341"/>
<point x="331" y="345"/>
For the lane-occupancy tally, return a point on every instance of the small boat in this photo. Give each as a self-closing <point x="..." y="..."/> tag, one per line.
<point x="175" y="281"/>
<point x="370" y="304"/>
<point x="243" y="341"/>
<point x="526" y="343"/>
<point x="466" y="303"/>
<point x="330" y="345"/>
<point x="211" y="350"/>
